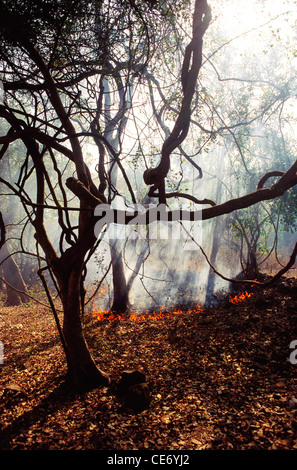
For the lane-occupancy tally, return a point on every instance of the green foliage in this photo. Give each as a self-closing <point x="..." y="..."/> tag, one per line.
<point x="288" y="212"/>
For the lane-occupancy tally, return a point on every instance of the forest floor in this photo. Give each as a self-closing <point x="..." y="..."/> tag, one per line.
<point x="220" y="379"/>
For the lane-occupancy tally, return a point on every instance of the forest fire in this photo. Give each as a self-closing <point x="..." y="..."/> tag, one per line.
<point x="102" y="291"/>
<point x="241" y="297"/>
<point x="102" y="315"/>
<point x="108" y="315"/>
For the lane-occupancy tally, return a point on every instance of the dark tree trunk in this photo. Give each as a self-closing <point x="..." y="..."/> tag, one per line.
<point x="13" y="277"/>
<point x="120" y="290"/>
<point x="82" y="368"/>
<point x="251" y="270"/>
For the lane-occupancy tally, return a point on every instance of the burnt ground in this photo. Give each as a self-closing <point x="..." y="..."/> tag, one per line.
<point x="219" y="379"/>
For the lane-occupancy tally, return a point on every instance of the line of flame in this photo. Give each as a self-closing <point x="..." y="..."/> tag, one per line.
<point x="101" y="315"/>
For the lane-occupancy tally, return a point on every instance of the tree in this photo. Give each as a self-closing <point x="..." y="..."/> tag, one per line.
<point x="53" y="89"/>
<point x="15" y="286"/>
<point x="55" y="57"/>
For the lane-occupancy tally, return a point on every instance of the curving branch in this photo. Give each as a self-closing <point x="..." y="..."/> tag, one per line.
<point x="287" y="181"/>
<point x="83" y="193"/>
<point x="191" y="198"/>
<point x="267" y="176"/>
<point x="190" y="70"/>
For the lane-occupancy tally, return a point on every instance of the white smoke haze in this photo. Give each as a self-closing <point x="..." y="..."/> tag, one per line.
<point x="165" y="261"/>
<point x="166" y="266"/>
<point x="163" y="265"/>
<point x="169" y="274"/>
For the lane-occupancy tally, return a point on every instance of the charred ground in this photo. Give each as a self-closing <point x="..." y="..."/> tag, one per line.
<point x="219" y="379"/>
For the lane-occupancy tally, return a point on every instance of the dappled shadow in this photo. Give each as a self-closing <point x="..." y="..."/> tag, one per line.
<point x="219" y="379"/>
<point x="29" y="349"/>
<point x="56" y="402"/>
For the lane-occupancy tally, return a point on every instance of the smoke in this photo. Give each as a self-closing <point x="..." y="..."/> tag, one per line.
<point x="163" y="265"/>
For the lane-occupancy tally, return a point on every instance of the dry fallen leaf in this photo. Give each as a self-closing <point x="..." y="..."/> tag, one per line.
<point x="195" y="441"/>
<point x="280" y="384"/>
<point x="185" y="373"/>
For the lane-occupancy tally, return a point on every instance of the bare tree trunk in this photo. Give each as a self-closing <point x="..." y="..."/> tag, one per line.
<point x="213" y="256"/>
<point x="120" y="290"/>
<point x="252" y="269"/>
<point x="216" y="241"/>
<point x="13" y="277"/>
<point x="83" y="370"/>
<point x="117" y="123"/>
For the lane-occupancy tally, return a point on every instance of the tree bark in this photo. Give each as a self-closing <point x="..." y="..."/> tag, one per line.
<point x="13" y="277"/>
<point x="120" y="290"/>
<point x="251" y="270"/>
<point x="82" y="371"/>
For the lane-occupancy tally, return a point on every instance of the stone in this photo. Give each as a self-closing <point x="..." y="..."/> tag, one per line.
<point x="137" y="397"/>
<point x="133" y="391"/>
<point x="128" y="379"/>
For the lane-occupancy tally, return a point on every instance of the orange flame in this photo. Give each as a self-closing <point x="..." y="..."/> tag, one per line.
<point x="102" y="291"/>
<point x="240" y="298"/>
<point x="102" y="315"/>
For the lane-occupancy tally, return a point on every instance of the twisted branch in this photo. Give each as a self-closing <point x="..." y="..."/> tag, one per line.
<point x="190" y="70"/>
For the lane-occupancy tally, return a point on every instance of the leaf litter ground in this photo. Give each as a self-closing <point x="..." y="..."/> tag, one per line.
<point x="219" y="379"/>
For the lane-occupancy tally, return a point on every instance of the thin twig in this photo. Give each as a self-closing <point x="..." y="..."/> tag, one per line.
<point x="277" y="276"/>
